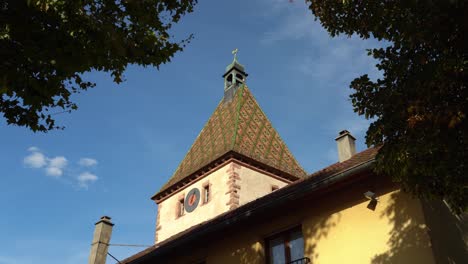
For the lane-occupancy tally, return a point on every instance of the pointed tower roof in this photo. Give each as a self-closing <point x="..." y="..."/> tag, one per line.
<point x="237" y="125"/>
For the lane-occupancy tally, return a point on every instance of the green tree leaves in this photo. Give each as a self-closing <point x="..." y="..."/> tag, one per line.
<point x="419" y="105"/>
<point x="46" y="46"/>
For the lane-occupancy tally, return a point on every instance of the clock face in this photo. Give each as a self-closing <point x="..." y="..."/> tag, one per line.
<point x="191" y="200"/>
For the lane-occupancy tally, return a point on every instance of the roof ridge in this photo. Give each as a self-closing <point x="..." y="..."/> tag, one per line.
<point x="239" y="105"/>
<point x="279" y="135"/>
<point x="196" y="138"/>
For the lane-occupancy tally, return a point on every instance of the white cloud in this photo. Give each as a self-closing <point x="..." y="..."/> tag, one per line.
<point x="33" y="149"/>
<point x="53" y="166"/>
<point x="293" y="22"/>
<point x="56" y="166"/>
<point x="87" y="162"/>
<point x="338" y="59"/>
<point x="35" y="160"/>
<point x="58" y="162"/>
<point x="85" y="178"/>
<point x="54" y="171"/>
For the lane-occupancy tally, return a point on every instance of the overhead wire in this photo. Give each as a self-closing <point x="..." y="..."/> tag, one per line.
<point x="114" y="258"/>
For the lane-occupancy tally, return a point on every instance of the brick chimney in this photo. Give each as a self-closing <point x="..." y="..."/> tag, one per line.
<point x="101" y="239"/>
<point x="346" y="145"/>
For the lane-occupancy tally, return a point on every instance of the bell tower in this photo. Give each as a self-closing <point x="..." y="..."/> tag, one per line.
<point x="237" y="157"/>
<point x="234" y="77"/>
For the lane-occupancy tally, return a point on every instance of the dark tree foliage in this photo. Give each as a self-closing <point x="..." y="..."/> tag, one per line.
<point x="46" y="46"/>
<point x="419" y="106"/>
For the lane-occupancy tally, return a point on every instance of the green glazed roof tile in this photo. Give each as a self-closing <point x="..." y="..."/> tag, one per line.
<point x="241" y="126"/>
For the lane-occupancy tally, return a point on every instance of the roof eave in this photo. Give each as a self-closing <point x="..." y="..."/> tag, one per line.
<point x="204" y="170"/>
<point x="292" y="192"/>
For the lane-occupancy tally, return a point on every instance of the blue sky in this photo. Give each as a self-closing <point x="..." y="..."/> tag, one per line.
<point x="126" y="140"/>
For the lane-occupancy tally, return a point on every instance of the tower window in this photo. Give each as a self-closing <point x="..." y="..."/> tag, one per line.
<point x="229" y="80"/>
<point x="180" y="207"/>
<point x="206" y="193"/>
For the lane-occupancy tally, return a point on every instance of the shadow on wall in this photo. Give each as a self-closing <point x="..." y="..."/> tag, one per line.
<point x="409" y="241"/>
<point x="318" y="231"/>
<point x="247" y="255"/>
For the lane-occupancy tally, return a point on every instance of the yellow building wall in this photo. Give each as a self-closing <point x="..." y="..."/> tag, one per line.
<point x="394" y="233"/>
<point x="338" y="230"/>
<point x="255" y="184"/>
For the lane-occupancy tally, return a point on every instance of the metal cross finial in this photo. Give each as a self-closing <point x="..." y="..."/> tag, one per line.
<point x="235" y="53"/>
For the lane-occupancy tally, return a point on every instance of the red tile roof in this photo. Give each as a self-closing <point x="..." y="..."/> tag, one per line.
<point x="358" y="158"/>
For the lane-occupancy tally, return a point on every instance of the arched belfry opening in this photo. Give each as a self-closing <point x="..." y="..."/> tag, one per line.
<point x="234" y="77"/>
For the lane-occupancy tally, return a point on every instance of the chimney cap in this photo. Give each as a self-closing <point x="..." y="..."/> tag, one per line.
<point x="344" y="133"/>
<point x="105" y="219"/>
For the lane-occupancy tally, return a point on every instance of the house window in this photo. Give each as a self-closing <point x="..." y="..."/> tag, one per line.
<point x="206" y="193"/>
<point x="285" y="247"/>
<point x="180" y="207"/>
